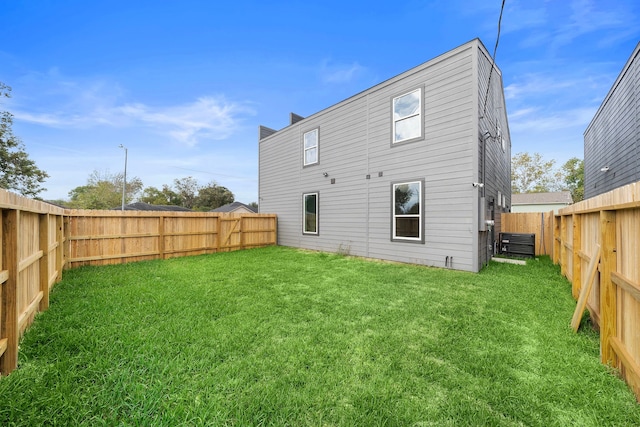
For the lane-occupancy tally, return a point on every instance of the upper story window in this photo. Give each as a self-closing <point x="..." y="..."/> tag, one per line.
<point x="407" y="116"/>
<point x="407" y="221"/>
<point x="310" y="141"/>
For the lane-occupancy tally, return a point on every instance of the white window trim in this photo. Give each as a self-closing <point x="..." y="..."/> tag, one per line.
<point x="304" y="213"/>
<point x="420" y="214"/>
<point x="419" y="114"/>
<point x="305" y="149"/>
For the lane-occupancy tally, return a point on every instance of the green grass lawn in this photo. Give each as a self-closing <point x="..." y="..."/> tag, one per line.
<point x="277" y="336"/>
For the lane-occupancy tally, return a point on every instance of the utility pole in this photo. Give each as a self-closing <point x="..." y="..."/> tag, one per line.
<point x="124" y="181"/>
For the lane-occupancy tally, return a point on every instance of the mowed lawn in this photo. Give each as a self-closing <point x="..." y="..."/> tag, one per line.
<point x="278" y="336"/>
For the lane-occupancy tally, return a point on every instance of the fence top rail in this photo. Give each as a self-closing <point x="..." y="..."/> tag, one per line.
<point x="9" y="200"/>
<point x="626" y="197"/>
<point x="178" y="214"/>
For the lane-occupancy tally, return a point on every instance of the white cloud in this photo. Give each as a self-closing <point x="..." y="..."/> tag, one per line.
<point x="558" y="24"/>
<point x="340" y="73"/>
<point x="206" y="118"/>
<point x="534" y="119"/>
<point x="520" y="15"/>
<point x="586" y="18"/>
<point x="536" y="84"/>
<point x="63" y="103"/>
<point x="568" y="85"/>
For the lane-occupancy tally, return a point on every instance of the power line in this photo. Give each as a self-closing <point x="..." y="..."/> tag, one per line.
<point x="215" y="173"/>
<point x="493" y="61"/>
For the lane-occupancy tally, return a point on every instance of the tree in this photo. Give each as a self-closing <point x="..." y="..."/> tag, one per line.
<point x="573" y="171"/>
<point x="17" y="171"/>
<point x="166" y="196"/>
<point x="188" y="193"/>
<point x="403" y="195"/>
<point x="187" y="190"/>
<point x="254" y="205"/>
<point x="104" y="191"/>
<point x="213" y="196"/>
<point x="530" y="173"/>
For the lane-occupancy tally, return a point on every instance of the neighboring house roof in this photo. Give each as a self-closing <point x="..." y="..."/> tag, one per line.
<point x="141" y="206"/>
<point x="234" y="207"/>
<point x="558" y="197"/>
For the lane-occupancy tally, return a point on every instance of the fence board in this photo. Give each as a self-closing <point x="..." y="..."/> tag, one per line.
<point x="586" y="288"/>
<point x="109" y="237"/>
<point x="4" y="276"/>
<point x="38" y="240"/>
<point x="578" y="255"/>
<point x="30" y="263"/>
<point x="45" y="268"/>
<point x="10" y="259"/>
<point x="539" y="223"/>
<point x="611" y="220"/>
<point x="590" y="237"/>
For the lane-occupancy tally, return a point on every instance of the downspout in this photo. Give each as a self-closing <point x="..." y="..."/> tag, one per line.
<point x="487" y="235"/>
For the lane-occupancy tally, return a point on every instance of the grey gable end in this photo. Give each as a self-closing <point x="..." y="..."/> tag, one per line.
<point x="409" y="170"/>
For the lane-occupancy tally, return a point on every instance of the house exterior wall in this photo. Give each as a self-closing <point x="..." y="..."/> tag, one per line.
<point x="356" y="154"/>
<point x="494" y="153"/>
<point x="555" y="207"/>
<point x="613" y="137"/>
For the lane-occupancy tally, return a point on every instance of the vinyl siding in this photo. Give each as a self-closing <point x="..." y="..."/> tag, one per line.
<point x="497" y="175"/>
<point x="613" y="136"/>
<point x="355" y="213"/>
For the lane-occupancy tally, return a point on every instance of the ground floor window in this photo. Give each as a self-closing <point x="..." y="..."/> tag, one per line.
<point x="408" y="203"/>
<point x="310" y="213"/>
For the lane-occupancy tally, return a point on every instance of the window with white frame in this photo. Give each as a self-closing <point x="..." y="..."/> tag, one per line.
<point x="407" y="211"/>
<point x="310" y="213"/>
<point x="407" y="116"/>
<point x="310" y="142"/>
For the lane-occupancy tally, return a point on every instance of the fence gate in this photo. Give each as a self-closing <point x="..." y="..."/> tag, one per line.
<point x="230" y="233"/>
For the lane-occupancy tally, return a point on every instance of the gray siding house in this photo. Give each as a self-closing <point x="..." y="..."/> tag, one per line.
<point x="413" y="169"/>
<point x="612" y="139"/>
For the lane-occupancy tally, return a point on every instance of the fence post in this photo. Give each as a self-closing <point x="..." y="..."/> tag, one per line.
<point x="608" y="303"/>
<point x="60" y="240"/>
<point x="4" y="275"/>
<point x="161" y="236"/>
<point x="563" y="248"/>
<point x="44" y="261"/>
<point x="10" y="261"/>
<point x="66" y="250"/>
<point x="123" y="240"/>
<point x="219" y="233"/>
<point x="275" y="230"/>
<point x="556" y="239"/>
<point x="576" y="283"/>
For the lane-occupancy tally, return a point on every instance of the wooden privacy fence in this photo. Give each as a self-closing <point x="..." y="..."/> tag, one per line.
<point x="608" y="227"/>
<point x="113" y="237"/>
<point x="539" y="223"/>
<point x="31" y="262"/>
<point x="38" y="240"/>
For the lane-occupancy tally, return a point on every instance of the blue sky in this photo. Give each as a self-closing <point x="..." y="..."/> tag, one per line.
<point x="185" y="84"/>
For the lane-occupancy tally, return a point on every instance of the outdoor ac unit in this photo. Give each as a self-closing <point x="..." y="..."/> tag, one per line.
<point x="518" y="244"/>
